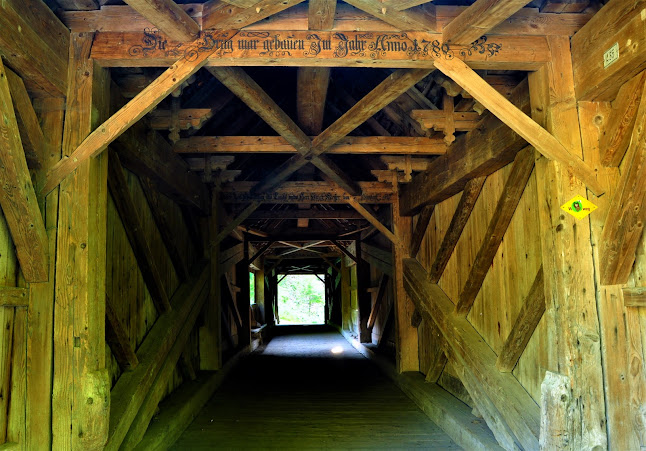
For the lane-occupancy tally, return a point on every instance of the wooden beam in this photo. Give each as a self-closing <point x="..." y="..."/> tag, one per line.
<point x="35" y="44"/>
<point x="478" y="19"/>
<point x="438" y="120"/>
<point x="220" y="15"/>
<point x="533" y="133"/>
<point x="526" y="322"/>
<point x="331" y="172"/>
<point x="634" y="297"/>
<point x="168" y="17"/>
<point x="17" y="197"/>
<point x="308" y="214"/>
<point x="379" y="299"/>
<point x="261" y="251"/>
<point x="134" y="110"/>
<point x="378" y="257"/>
<point x="617" y="133"/>
<point x="423" y="221"/>
<point x="400" y="5"/>
<point x="311" y="93"/>
<point x="79" y="335"/>
<point x="372" y="220"/>
<point x="33" y="140"/>
<point x="421" y="18"/>
<point x="183" y="405"/>
<point x="188" y="118"/>
<point x="141" y="247"/>
<point x="159" y="388"/>
<point x="236" y="222"/>
<point x="516" y="412"/>
<point x="115" y="49"/>
<point x="480" y="152"/>
<point x="438" y="354"/>
<point x="117" y="338"/>
<point x="162" y="220"/>
<point x="306" y="192"/>
<point x="131" y="389"/>
<point x="626" y="216"/>
<point x="460" y="217"/>
<point x="247" y="90"/>
<point x="405" y="145"/>
<point x="14" y="297"/>
<point x="618" y="23"/>
<point x="321" y="14"/>
<point x="509" y="198"/>
<point x="344" y="250"/>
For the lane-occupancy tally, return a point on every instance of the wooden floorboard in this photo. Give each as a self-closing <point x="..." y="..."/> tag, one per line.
<point x="296" y="394"/>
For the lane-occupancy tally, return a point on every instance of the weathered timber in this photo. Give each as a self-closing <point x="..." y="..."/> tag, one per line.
<point x="188" y="118"/>
<point x="33" y="140"/>
<point x="311" y="87"/>
<point x="220" y="15"/>
<point x="514" y="53"/>
<point x="619" y="22"/>
<point x="277" y="144"/>
<point x="148" y="154"/>
<point x="379" y="299"/>
<point x="478" y="19"/>
<point x="618" y="130"/>
<point x="131" y="389"/>
<point x="458" y="221"/>
<point x="480" y="152"/>
<point x="40" y="315"/>
<point x="513" y="404"/>
<point x="571" y="314"/>
<point x="18" y="197"/>
<point x="160" y="385"/>
<point x="453" y="416"/>
<point x="380" y="258"/>
<point x="117" y="338"/>
<point x="306" y="192"/>
<point x="137" y="237"/>
<point x="373" y="220"/>
<point x="634" y="297"/>
<point x="438" y="119"/>
<point x="226" y="230"/>
<point x="231" y="300"/>
<point x="526" y="321"/>
<point x="79" y="331"/>
<point x="423" y="221"/>
<point x="168" y="17"/>
<point x="510" y="197"/>
<point x="134" y="110"/>
<point x="179" y="409"/>
<point x="35" y="44"/>
<point x="162" y="220"/>
<point x="625" y="221"/>
<point x="556" y="400"/>
<point x="421" y="18"/>
<point x="14" y="297"/>
<point x="307" y="214"/>
<point x="522" y="124"/>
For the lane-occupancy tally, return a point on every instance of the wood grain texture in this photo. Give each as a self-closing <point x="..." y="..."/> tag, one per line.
<point x="421" y="18"/>
<point x="505" y="208"/>
<point x="220" y="15"/>
<point x="420" y="228"/>
<point x="18" y="198"/>
<point x="478" y="19"/>
<point x="117" y="338"/>
<point x="515" y="411"/>
<point x="14" y="297"/>
<point x="634" y="297"/>
<point x="618" y="131"/>
<point x="168" y="17"/>
<point x="480" y="152"/>
<point x="625" y="221"/>
<point x="620" y="22"/>
<point x="524" y="326"/>
<point x="459" y="220"/>
<point x="134" y="110"/>
<point x="522" y="124"/>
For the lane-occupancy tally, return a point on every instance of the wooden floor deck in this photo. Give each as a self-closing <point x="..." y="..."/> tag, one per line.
<point x="297" y="394"/>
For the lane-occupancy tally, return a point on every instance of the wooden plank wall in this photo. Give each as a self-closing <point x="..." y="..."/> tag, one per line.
<point x="125" y="284"/>
<point x="12" y="346"/>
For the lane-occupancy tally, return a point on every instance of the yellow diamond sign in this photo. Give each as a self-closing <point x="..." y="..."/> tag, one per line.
<point x="579" y="207"/>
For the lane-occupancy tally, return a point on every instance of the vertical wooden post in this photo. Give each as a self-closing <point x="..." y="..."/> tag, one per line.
<point x="363" y="283"/>
<point x="242" y="280"/>
<point x="407" y="355"/>
<point x="259" y="290"/>
<point x="40" y="320"/>
<point x="572" y="321"/>
<point x="270" y="288"/>
<point x="210" y="332"/>
<point x="81" y="384"/>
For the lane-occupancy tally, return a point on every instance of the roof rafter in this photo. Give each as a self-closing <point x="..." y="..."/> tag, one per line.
<point x="168" y="17"/>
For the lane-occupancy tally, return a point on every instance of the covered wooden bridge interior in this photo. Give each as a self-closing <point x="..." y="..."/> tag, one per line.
<point x="421" y="158"/>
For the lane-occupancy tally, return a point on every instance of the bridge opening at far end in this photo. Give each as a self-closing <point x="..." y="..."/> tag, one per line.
<point x="301" y="299"/>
